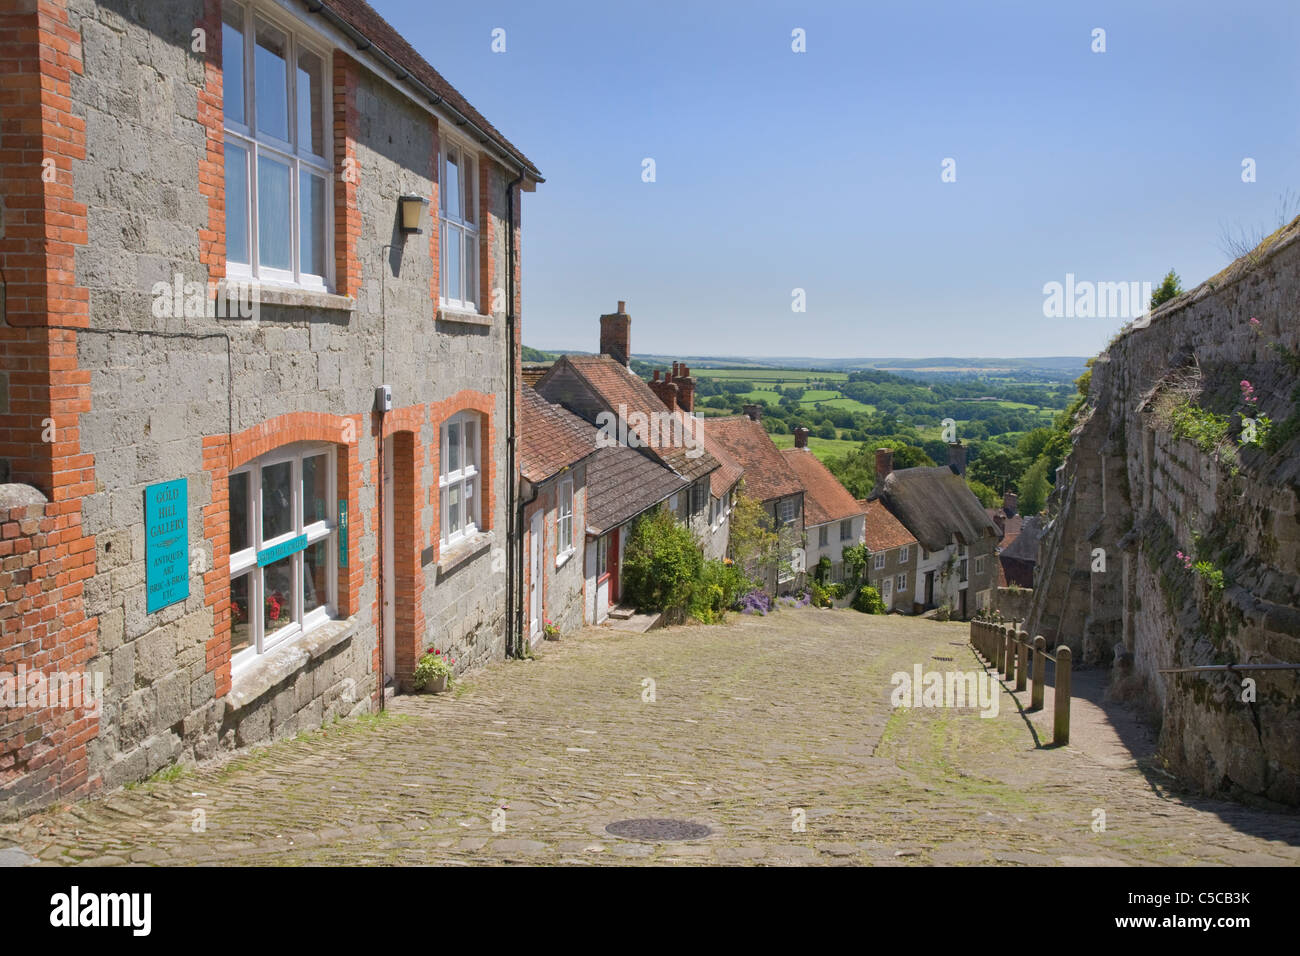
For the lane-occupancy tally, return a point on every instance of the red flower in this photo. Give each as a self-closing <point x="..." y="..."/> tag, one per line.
<point x="437" y="652"/>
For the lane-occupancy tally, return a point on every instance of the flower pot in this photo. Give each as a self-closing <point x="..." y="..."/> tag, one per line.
<point x="436" y="685"/>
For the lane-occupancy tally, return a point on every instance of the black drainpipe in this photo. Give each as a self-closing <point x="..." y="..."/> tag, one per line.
<point x="514" y="503"/>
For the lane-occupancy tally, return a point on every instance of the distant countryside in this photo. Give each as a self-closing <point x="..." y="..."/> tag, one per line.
<point x="1014" y="415"/>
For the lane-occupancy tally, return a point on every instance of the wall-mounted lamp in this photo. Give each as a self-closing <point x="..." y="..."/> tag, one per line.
<point x="412" y="208"/>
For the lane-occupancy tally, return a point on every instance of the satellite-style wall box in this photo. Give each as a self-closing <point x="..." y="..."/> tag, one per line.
<point x="384" y="398"/>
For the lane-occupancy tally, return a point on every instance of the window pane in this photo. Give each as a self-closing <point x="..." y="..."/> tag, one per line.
<point x="315" y="489"/>
<point x="467" y="205"/>
<point x="271" y="79"/>
<point x="311" y="126"/>
<point x="277" y="608"/>
<point x="237" y="204"/>
<point x="277" y="501"/>
<point x="451" y="188"/>
<point x="452" y="265"/>
<point x="273" y="221"/>
<point x="453" y="447"/>
<point x="311" y="223"/>
<point x="471" y="267"/>
<point x="471" y="440"/>
<point x="453" y="509"/>
<point x="315" y="576"/>
<point x="241" y="626"/>
<point x="239" y="536"/>
<point x="232" y="63"/>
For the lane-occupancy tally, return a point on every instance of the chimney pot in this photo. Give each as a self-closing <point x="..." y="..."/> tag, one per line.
<point x="884" y="463"/>
<point x="668" y="393"/>
<point x="1009" y="503"/>
<point x="801" y="437"/>
<point x="622" y="307"/>
<point x="754" y="412"/>
<point x="656" y="378"/>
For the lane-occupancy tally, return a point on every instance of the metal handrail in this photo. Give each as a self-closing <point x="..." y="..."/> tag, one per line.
<point x="1228" y="667"/>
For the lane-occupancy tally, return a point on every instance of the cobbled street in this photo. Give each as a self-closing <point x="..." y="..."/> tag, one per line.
<point x="750" y="722"/>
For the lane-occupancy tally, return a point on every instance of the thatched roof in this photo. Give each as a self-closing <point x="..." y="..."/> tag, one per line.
<point x="934" y="504"/>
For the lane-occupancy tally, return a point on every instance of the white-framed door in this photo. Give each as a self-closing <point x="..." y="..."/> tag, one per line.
<point x="535" y="576"/>
<point x="390" y="616"/>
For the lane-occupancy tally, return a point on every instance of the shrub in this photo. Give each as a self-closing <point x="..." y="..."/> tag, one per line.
<point x="823" y="569"/>
<point x="661" y="565"/>
<point x="821" y="594"/>
<point x="868" y="601"/>
<point x="718" y="590"/>
<point x="756" y="601"/>
<point x="944" y="613"/>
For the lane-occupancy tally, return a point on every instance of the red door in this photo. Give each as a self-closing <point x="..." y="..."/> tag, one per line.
<point x="611" y="563"/>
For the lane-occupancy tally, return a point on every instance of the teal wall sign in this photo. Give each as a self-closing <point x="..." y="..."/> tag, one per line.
<point x="281" y="550"/>
<point x="166" y="544"/>
<point x="343" y="532"/>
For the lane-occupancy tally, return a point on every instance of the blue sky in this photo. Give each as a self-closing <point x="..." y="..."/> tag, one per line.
<point x="821" y="170"/>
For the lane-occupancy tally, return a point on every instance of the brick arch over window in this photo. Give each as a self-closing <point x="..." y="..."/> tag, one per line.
<point x="222" y="454"/>
<point x="467" y="400"/>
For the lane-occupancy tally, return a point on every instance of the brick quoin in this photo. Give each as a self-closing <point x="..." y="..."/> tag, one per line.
<point x="402" y="439"/>
<point x="212" y="167"/>
<point x="347" y="176"/>
<point x="224" y="453"/>
<point x="45" y="557"/>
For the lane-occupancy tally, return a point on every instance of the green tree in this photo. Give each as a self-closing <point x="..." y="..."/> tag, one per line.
<point x="1034" y="488"/>
<point x="661" y="564"/>
<point x="755" y="544"/>
<point x="1170" y="288"/>
<point x="997" y="466"/>
<point x="987" y="496"/>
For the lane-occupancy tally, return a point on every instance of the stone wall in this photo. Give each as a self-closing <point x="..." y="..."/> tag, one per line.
<point x="166" y="395"/>
<point x="1130" y="496"/>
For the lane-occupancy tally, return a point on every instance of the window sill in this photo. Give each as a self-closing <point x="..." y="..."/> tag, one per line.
<point x="277" y="665"/>
<point x="563" y="558"/>
<point x="286" y="295"/>
<point x="463" y="550"/>
<point x="460" y="317"/>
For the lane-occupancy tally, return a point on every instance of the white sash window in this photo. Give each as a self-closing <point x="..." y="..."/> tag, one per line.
<point x="278" y="117"/>
<point x="458" y="479"/>
<point x="458" y="227"/>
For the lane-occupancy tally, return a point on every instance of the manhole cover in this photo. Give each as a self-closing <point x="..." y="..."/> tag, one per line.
<point x="658" y="830"/>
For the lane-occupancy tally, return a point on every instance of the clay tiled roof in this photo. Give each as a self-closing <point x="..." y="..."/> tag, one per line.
<point x="550" y="437"/>
<point x="884" y="531"/>
<point x="625" y="393"/>
<point x="1025" y="545"/>
<point x="729" y="471"/>
<point x="532" y="374"/>
<point x="934" y="504"/>
<point x="767" y="475"/>
<point x="622" y="483"/>
<point x="1010" y="525"/>
<point x="362" y="17"/>
<point x="824" y="498"/>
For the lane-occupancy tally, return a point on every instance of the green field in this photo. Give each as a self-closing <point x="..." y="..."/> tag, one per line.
<point x="784" y="376"/>
<point x="823" y="448"/>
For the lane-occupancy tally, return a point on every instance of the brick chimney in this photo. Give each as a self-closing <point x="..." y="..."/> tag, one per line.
<point x="685" y="389"/>
<point x="801" y="437"/>
<point x="1009" y="500"/>
<point x="616" y="335"/>
<point x="957" y="457"/>
<point x="755" y="411"/>
<point x="884" y="463"/>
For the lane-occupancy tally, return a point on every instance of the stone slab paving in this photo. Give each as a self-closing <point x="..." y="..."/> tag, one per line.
<point x="755" y="727"/>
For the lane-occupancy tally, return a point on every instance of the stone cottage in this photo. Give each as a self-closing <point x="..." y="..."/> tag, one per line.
<point x="260" y="337"/>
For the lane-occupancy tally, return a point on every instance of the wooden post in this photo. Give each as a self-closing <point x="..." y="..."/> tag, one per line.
<point x="1040" y="672"/>
<point x="1061" y="729"/>
<point x="1022" y="661"/>
<point x="1009" y="651"/>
